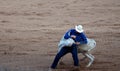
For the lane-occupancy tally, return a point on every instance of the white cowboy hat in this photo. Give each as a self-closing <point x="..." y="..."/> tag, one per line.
<point x="79" y="28"/>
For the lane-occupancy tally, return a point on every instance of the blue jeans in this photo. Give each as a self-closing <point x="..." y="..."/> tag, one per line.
<point x="62" y="52"/>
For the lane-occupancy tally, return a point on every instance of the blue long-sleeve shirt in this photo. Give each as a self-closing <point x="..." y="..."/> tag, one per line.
<point x="80" y="37"/>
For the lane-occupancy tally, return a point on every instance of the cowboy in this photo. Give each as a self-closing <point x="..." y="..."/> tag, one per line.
<point x="68" y="44"/>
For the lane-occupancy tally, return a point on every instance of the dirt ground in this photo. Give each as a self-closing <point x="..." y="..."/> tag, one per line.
<point x="31" y="29"/>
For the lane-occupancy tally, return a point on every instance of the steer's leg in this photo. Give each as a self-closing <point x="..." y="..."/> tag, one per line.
<point x="84" y="57"/>
<point x="61" y="61"/>
<point x="91" y="59"/>
<point x="91" y="55"/>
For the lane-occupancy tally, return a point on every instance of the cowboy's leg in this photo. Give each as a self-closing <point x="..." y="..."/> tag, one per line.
<point x="61" y="53"/>
<point x="75" y="56"/>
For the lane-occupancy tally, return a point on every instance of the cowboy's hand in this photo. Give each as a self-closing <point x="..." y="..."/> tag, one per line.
<point x="77" y="43"/>
<point x="73" y="36"/>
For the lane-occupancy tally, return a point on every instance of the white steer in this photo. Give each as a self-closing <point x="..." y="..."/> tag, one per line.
<point x="85" y="48"/>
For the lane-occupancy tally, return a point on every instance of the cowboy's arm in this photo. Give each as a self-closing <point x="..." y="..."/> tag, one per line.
<point x="67" y="34"/>
<point x="84" y="39"/>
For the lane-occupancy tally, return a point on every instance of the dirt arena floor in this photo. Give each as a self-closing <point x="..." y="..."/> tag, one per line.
<point x="31" y="29"/>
